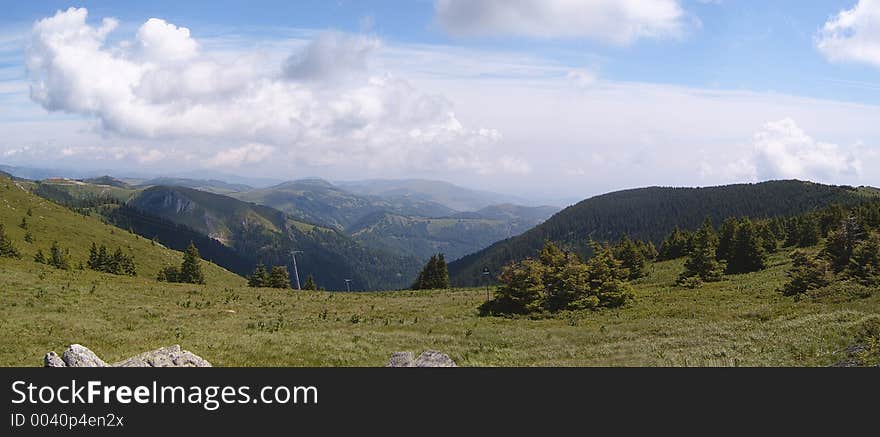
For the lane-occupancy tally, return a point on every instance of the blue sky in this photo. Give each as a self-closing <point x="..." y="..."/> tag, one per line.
<point x="552" y="99"/>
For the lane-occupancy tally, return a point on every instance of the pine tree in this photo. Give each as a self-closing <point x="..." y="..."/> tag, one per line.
<point x="57" y="257"/>
<point x="310" y="284"/>
<point x="29" y="237"/>
<point x="24" y="223"/>
<point x="702" y="262"/>
<point x="168" y="274"/>
<point x="842" y="241"/>
<point x="631" y="257"/>
<point x="260" y="277"/>
<point x="279" y="278"/>
<point x="606" y="281"/>
<point x="39" y="257"/>
<point x="675" y="245"/>
<point x="93" y="263"/>
<point x="434" y="275"/>
<point x="768" y="237"/>
<point x="564" y="276"/>
<point x="748" y="254"/>
<point x="808" y="232"/>
<point x="864" y="265"/>
<point x="191" y="268"/>
<point x="726" y="234"/>
<point x="7" y="249"/>
<point x="806" y="274"/>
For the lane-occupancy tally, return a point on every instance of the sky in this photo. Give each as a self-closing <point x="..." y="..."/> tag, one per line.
<point x="547" y="99"/>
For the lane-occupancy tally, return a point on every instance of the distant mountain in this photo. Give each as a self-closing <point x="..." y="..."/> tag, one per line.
<point x="49" y="222"/>
<point x="260" y="233"/>
<point x="108" y="181"/>
<point x="320" y="202"/>
<point x="447" y="194"/>
<point x="209" y="185"/>
<point x="650" y="214"/>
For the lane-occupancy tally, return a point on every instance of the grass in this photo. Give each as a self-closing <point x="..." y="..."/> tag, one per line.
<point x="49" y="221"/>
<point x="742" y="321"/>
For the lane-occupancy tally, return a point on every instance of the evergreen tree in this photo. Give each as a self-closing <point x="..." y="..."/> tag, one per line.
<point x="39" y="257"/>
<point x="57" y="257"/>
<point x="7" y="249"/>
<point x="726" y="234"/>
<point x="29" y="237"/>
<point x="648" y="250"/>
<point x="808" y="232"/>
<point x="806" y="273"/>
<point x="92" y="262"/>
<point x="434" y="275"/>
<point x="702" y="262"/>
<point x="563" y="277"/>
<point x="191" y="268"/>
<point x="520" y="291"/>
<point x="279" y="278"/>
<point x="631" y="257"/>
<point x="168" y="274"/>
<point x="260" y="277"/>
<point x="674" y="246"/>
<point x="606" y="281"/>
<point x="24" y="223"/>
<point x="842" y="241"/>
<point x="864" y="265"/>
<point x="768" y="237"/>
<point x="310" y="284"/>
<point x="829" y="218"/>
<point x="748" y="254"/>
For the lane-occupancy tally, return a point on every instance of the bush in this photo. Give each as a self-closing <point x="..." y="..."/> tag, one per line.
<point x="806" y="273"/>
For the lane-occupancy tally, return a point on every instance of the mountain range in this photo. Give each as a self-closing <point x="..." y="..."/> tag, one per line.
<point x="376" y="241"/>
<point x="650" y="214"/>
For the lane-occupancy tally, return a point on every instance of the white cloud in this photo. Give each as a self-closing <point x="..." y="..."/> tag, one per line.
<point x="615" y="21"/>
<point x="782" y="150"/>
<point x="853" y="34"/>
<point x="236" y="157"/>
<point x="161" y="41"/>
<point x="164" y="86"/>
<point x="332" y="55"/>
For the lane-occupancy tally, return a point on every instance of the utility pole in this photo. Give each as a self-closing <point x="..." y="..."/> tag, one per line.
<point x="486" y="278"/>
<point x="295" y="271"/>
<point x="347" y="286"/>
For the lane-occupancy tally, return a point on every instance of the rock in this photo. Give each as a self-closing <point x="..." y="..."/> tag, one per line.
<point x="426" y="359"/>
<point x="53" y="360"/>
<point x="171" y="356"/>
<point x="80" y="356"/>
<point x="401" y="359"/>
<point x="77" y="355"/>
<point x="434" y="359"/>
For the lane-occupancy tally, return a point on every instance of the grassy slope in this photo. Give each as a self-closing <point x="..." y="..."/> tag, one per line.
<point x="741" y="321"/>
<point x="75" y="232"/>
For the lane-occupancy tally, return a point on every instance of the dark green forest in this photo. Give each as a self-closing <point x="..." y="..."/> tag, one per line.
<point x="650" y="214"/>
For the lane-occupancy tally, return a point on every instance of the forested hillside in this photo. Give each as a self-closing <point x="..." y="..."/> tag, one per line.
<point x="256" y="233"/>
<point x="650" y="214"/>
<point x="34" y="225"/>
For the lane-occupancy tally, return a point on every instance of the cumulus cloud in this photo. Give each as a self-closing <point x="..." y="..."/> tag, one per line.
<point x="853" y="34"/>
<point x="321" y="106"/>
<point x="782" y="150"/>
<point x="331" y="55"/>
<point x="615" y="21"/>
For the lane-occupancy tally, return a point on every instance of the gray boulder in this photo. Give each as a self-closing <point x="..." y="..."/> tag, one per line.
<point x="53" y="360"/>
<point x="171" y="356"/>
<point x="426" y="359"/>
<point x="77" y="355"/>
<point x="80" y="356"/>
